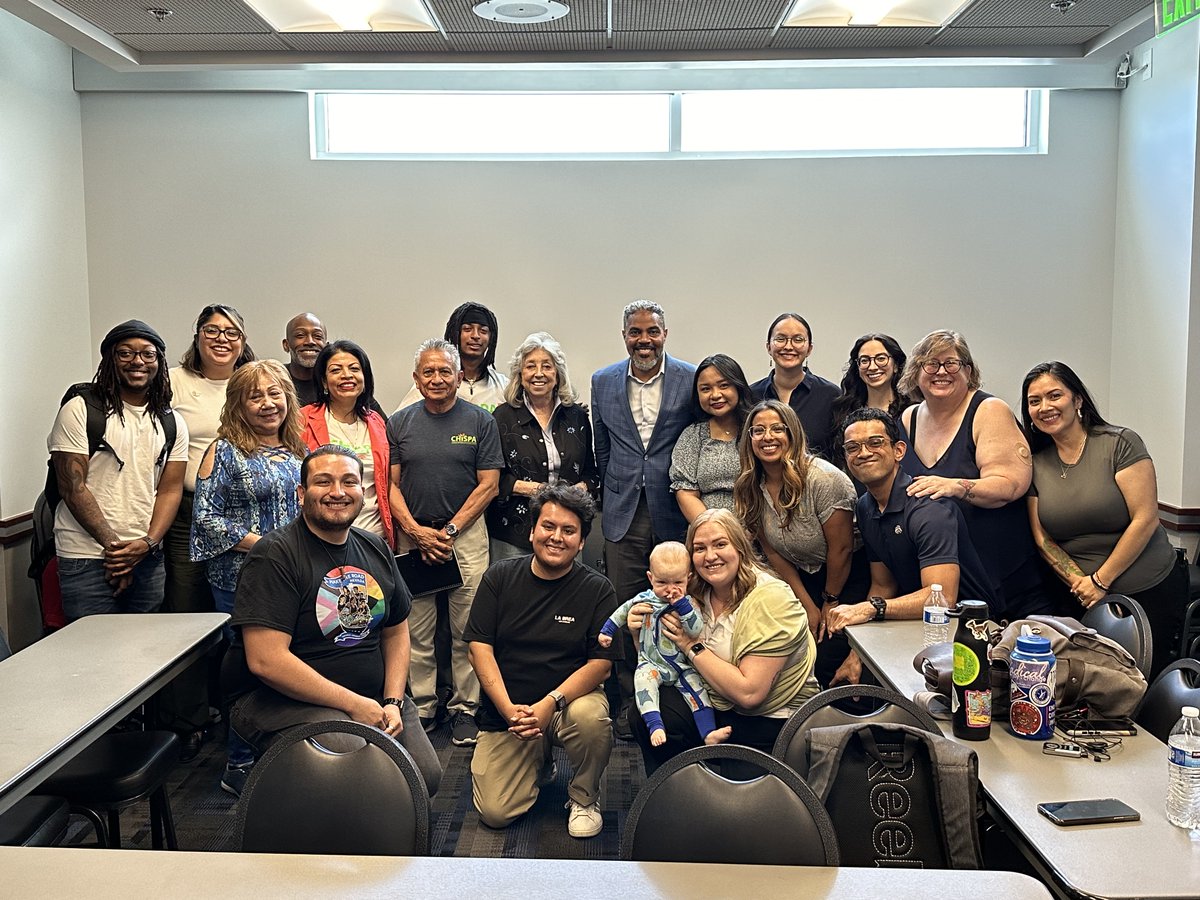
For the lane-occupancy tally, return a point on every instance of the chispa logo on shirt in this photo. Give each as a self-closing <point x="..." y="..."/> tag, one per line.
<point x="463" y="438"/>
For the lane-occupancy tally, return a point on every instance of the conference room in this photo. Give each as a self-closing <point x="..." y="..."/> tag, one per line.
<point x="155" y="166"/>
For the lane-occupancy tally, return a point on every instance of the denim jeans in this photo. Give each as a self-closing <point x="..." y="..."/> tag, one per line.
<point x="237" y="751"/>
<point x="85" y="591"/>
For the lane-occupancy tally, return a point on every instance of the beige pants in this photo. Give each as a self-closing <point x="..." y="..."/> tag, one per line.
<point x="504" y="770"/>
<point x="471" y="548"/>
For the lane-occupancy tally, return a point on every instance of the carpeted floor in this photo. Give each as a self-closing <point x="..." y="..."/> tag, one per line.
<point x="206" y="816"/>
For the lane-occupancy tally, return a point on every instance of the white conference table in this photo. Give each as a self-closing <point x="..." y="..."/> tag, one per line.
<point x="1149" y="858"/>
<point x="60" y="694"/>
<point x="34" y="872"/>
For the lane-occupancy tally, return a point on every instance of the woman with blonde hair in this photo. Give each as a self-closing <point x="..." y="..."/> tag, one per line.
<point x="246" y="487"/>
<point x="546" y="437"/>
<point x="755" y="652"/>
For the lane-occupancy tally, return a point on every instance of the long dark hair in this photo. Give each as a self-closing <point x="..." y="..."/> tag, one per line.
<point x="854" y="389"/>
<point x="191" y="356"/>
<point x="1089" y="415"/>
<point x="367" y="397"/>
<point x="731" y="372"/>
<point x="158" y="394"/>
<point x="454" y="329"/>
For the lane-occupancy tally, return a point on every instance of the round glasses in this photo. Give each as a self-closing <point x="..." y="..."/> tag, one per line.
<point x="880" y="360"/>
<point x="124" y="354"/>
<point x="931" y="366"/>
<point x="796" y="340"/>
<point x="761" y="431"/>
<point x="874" y="442"/>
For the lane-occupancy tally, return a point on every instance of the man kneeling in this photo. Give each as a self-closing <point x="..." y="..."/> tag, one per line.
<point x="532" y="638"/>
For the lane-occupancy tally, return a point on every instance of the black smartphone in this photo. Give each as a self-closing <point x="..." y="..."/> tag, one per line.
<point x="1089" y="812"/>
<point x="1085" y="728"/>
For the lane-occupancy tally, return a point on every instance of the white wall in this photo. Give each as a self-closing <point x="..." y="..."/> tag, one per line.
<point x="201" y="197"/>
<point x="43" y="277"/>
<point x="1157" y="264"/>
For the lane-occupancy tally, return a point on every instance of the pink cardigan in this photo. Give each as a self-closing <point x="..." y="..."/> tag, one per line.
<point x="316" y="434"/>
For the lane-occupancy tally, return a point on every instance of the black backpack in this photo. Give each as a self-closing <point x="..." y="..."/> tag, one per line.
<point x="42" y="549"/>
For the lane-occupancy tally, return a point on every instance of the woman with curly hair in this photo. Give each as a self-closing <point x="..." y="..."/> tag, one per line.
<point x="871" y="379"/>
<point x="246" y="487"/>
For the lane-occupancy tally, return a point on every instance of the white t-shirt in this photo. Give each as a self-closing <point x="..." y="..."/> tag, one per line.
<point x="200" y="401"/>
<point x="125" y="494"/>
<point x="357" y="439"/>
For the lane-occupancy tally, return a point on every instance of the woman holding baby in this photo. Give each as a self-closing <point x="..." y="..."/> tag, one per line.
<point x="755" y="651"/>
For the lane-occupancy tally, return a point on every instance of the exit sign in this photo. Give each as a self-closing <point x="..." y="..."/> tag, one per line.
<point x="1169" y="13"/>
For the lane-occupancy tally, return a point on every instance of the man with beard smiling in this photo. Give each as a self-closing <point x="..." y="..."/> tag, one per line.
<point x="533" y="641"/>
<point x="321" y="622"/>
<point x="640" y="406"/>
<point x="118" y="498"/>
<point x="303" y="340"/>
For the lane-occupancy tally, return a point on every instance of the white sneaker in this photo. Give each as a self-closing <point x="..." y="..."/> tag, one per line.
<point x="584" y="821"/>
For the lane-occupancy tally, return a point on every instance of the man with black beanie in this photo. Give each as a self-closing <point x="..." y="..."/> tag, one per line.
<point x="120" y="486"/>
<point x="473" y="330"/>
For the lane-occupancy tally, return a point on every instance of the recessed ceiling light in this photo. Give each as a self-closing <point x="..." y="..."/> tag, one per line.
<point x="892" y="13"/>
<point x="518" y="13"/>
<point x="344" y="15"/>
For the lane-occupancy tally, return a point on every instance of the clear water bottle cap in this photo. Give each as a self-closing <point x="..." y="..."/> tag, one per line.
<point x="936" y="587"/>
<point x="1190" y="712"/>
<point x="1033" y="643"/>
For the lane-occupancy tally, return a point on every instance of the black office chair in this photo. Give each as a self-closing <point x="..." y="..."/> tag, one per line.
<point x="824" y="710"/>
<point x="687" y="812"/>
<point x="304" y="798"/>
<point x="1123" y="619"/>
<point x="1176" y="686"/>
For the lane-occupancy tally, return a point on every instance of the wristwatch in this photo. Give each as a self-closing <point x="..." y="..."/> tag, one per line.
<point x="560" y="702"/>
<point x="880" y="608"/>
<point x="393" y="701"/>
<point x="451" y="529"/>
<point x="696" y="648"/>
<point x="827" y="597"/>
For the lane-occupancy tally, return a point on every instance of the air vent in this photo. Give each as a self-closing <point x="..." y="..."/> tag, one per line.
<point x="520" y="13"/>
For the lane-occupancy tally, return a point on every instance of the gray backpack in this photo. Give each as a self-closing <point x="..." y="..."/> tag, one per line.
<point x="898" y="796"/>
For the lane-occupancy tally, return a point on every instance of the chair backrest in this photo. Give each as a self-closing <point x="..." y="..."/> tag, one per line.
<point x="1123" y="619"/>
<point x="823" y="711"/>
<point x="303" y="798"/>
<point x="1176" y="686"/>
<point x="687" y="812"/>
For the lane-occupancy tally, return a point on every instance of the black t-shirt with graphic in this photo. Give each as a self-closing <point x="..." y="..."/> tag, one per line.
<point x="333" y="600"/>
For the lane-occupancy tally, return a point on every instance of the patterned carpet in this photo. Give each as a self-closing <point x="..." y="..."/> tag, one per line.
<point x="206" y="816"/>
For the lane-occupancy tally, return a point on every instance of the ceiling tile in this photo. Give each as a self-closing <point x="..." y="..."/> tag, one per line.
<point x="1026" y="13"/>
<point x="745" y="39"/>
<point x="1016" y="37"/>
<point x="839" y="38"/>
<point x="189" y="17"/>
<point x="456" y="16"/>
<point x="526" y="42"/>
<point x="366" y="42"/>
<point x="203" y="43"/>
<point x="696" y="15"/>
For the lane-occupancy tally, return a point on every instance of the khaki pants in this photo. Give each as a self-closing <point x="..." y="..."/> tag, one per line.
<point x="504" y="770"/>
<point x="471" y="548"/>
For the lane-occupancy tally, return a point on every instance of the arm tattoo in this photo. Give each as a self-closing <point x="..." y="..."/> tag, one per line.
<point x="71" y="469"/>
<point x="1059" y="558"/>
<point x="969" y="487"/>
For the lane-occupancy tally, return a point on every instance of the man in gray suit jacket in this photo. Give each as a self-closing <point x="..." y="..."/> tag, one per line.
<point x="639" y="408"/>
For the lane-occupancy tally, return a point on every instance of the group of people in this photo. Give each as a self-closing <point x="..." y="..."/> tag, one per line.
<point x="745" y="526"/>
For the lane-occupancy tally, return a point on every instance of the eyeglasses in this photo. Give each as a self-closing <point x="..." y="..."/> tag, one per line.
<point x="124" y="354"/>
<point x="952" y="365"/>
<point x="796" y="340"/>
<point x="761" y="431"/>
<point x="874" y="442"/>
<point x="212" y="332"/>
<point x="880" y="360"/>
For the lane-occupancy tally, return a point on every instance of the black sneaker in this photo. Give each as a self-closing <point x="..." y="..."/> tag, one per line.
<point x="234" y="779"/>
<point x="190" y="745"/>
<point x="463" y="730"/>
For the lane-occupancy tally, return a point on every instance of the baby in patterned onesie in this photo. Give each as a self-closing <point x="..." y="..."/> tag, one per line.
<point x="659" y="660"/>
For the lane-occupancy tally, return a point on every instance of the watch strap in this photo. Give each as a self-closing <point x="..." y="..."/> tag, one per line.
<point x="397" y="702"/>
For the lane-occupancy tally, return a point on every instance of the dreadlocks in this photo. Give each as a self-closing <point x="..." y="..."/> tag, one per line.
<point x="158" y="395"/>
<point x="474" y="312"/>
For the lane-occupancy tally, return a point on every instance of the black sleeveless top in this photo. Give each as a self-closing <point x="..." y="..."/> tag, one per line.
<point x="1001" y="536"/>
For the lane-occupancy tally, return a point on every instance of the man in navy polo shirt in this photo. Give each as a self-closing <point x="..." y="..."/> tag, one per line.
<point x="912" y="542"/>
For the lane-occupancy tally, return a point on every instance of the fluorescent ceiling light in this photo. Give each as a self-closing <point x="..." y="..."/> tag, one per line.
<point x="344" y="15"/>
<point x="894" y="13"/>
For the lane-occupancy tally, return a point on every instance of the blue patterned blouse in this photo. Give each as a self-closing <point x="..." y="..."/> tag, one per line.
<point x="243" y="494"/>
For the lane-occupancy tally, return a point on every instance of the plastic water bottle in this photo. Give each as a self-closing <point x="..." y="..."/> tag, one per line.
<point x="1183" y="773"/>
<point x="936" y="617"/>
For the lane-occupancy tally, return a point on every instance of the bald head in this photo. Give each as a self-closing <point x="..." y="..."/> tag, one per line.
<point x="303" y="340"/>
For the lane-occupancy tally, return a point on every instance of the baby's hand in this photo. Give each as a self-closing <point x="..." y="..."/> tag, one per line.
<point x="604" y="640"/>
